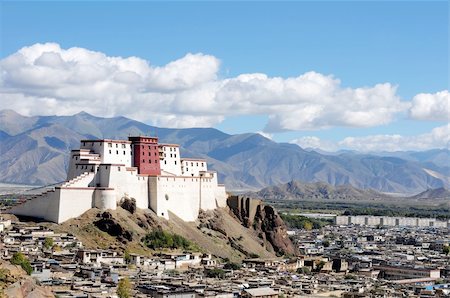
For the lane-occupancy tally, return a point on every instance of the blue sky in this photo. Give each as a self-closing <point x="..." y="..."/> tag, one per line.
<point x="360" y="43"/>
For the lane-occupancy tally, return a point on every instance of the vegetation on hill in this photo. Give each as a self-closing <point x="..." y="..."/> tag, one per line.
<point x="159" y="239"/>
<point x="392" y="208"/>
<point x="20" y="259"/>
<point x="303" y="222"/>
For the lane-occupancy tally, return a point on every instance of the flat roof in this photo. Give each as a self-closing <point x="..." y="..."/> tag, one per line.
<point x="168" y="145"/>
<point x="261" y="291"/>
<point x="106" y="141"/>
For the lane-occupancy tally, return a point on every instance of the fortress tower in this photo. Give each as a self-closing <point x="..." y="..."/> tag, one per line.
<point x="104" y="172"/>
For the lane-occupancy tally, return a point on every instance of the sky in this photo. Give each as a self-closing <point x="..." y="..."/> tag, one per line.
<point x="367" y="76"/>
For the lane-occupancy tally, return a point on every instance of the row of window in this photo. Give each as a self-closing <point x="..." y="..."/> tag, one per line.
<point x="149" y="161"/>
<point x="150" y="154"/>
<point x="192" y="164"/>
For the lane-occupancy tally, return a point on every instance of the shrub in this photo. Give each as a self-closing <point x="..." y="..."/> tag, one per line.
<point x="19" y="258"/>
<point x="215" y="273"/>
<point x="48" y="242"/>
<point x="159" y="239"/>
<point x="124" y="288"/>
<point x="232" y="266"/>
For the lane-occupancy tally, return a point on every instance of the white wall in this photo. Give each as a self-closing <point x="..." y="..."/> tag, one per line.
<point x="111" y="151"/>
<point x="171" y="161"/>
<point x="126" y="182"/>
<point x="193" y="167"/>
<point x="73" y="202"/>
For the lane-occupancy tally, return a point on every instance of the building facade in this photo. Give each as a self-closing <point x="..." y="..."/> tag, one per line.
<point x="104" y="172"/>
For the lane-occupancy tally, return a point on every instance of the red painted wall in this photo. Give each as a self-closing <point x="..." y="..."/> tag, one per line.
<point x="146" y="155"/>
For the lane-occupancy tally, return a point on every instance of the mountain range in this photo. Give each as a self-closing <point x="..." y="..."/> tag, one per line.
<point x="35" y="150"/>
<point x="297" y="190"/>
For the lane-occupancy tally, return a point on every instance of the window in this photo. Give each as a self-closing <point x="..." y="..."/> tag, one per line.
<point x="109" y="151"/>
<point x="149" y="161"/>
<point x="123" y="152"/>
<point x="123" y="146"/>
<point x="143" y="160"/>
<point x="117" y="145"/>
<point x="202" y="164"/>
<point x="118" y="169"/>
<point x="156" y="161"/>
<point x="197" y="164"/>
<point x="143" y="153"/>
<point x="175" y="162"/>
<point x="165" y="162"/>
<point x="174" y="155"/>
<point x="117" y="151"/>
<point x="84" y="144"/>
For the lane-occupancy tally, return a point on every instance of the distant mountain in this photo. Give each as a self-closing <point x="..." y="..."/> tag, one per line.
<point x="296" y="190"/>
<point x="35" y="150"/>
<point x="438" y="193"/>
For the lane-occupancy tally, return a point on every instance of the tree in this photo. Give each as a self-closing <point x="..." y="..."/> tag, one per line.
<point x="308" y="225"/>
<point x="127" y="257"/>
<point x="124" y="288"/>
<point x="446" y="250"/>
<point x="215" y="273"/>
<point x="232" y="266"/>
<point x="303" y="270"/>
<point x="19" y="258"/>
<point x="48" y="242"/>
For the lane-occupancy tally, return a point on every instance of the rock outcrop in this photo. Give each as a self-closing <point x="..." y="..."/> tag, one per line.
<point x="14" y="282"/>
<point x="265" y="220"/>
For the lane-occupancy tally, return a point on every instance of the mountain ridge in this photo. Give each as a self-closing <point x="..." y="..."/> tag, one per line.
<point x="244" y="161"/>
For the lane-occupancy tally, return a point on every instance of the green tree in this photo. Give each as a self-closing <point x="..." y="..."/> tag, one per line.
<point x="232" y="266"/>
<point x="303" y="270"/>
<point x="215" y="273"/>
<point x="446" y="250"/>
<point x="308" y="225"/>
<point x="124" y="288"/>
<point x="19" y="258"/>
<point x="48" y="242"/>
<point x="127" y="257"/>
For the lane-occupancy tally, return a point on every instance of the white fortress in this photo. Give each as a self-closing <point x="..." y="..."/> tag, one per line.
<point x="103" y="172"/>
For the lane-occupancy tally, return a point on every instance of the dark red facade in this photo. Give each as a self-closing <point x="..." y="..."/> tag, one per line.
<point x="146" y="155"/>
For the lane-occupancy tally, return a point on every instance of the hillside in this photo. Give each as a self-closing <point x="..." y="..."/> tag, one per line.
<point x="35" y="151"/>
<point x="296" y="190"/>
<point x="438" y="194"/>
<point x="216" y="232"/>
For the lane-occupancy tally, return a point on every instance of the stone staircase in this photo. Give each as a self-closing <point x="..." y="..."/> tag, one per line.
<point x="82" y="180"/>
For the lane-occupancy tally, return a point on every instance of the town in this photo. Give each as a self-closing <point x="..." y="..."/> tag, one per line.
<point x="353" y="260"/>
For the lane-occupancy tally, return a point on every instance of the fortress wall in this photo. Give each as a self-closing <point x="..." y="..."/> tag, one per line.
<point x="127" y="183"/>
<point x="105" y="198"/>
<point x="208" y="193"/>
<point x="178" y="195"/>
<point x="38" y="207"/>
<point x="221" y="196"/>
<point x="73" y="202"/>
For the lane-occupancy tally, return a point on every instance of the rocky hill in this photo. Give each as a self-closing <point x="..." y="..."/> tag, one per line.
<point x="438" y="194"/>
<point x="296" y="190"/>
<point x="14" y="282"/>
<point x="35" y="150"/>
<point x="218" y="232"/>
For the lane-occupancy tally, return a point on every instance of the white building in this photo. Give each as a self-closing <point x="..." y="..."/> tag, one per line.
<point x="103" y="172"/>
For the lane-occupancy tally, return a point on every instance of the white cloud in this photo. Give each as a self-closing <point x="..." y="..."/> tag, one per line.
<point x="438" y="137"/>
<point x="45" y="79"/>
<point x="433" y="107"/>
<point x="315" y="143"/>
